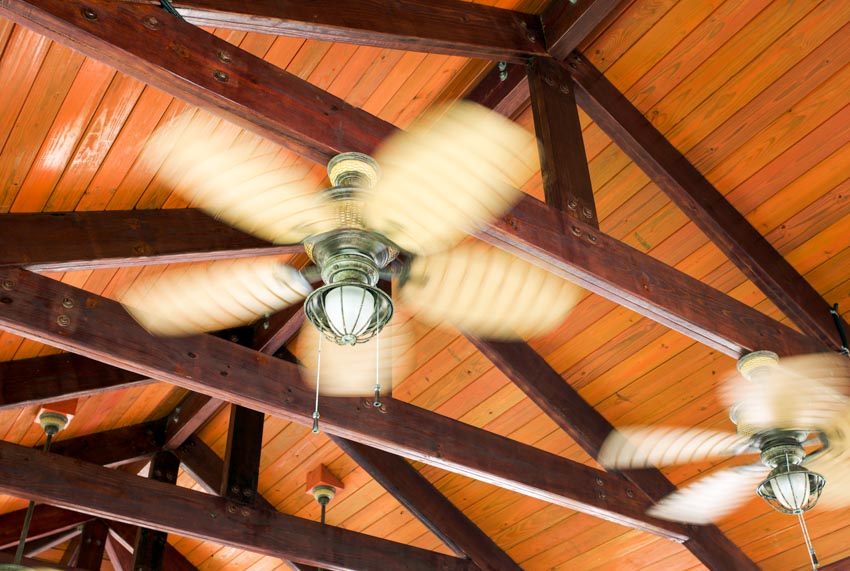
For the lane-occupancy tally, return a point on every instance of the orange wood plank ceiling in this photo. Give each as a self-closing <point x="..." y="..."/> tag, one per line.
<point x="754" y="94"/>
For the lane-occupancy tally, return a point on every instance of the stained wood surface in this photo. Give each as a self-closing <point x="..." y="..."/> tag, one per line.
<point x="753" y="94"/>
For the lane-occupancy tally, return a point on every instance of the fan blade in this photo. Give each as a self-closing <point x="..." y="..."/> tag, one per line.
<point x="441" y="182"/>
<point x="214" y="296"/>
<point x="643" y="446"/>
<point x="805" y="392"/>
<point x="487" y="292"/>
<point x="235" y="182"/>
<point x="712" y="497"/>
<point x="834" y="464"/>
<point x="349" y="370"/>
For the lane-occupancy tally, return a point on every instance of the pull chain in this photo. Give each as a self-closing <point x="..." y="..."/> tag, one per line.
<point x="812" y="556"/>
<point x="377" y="402"/>
<point x="318" y="376"/>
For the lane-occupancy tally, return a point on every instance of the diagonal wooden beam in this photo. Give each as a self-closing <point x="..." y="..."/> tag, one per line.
<point x="40" y="380"/>
<point x="703" y="204"/>
<point x="424" y="501"/>
<point x="204" y="70"/>
<point x="7" y="559"/>
<point x="114" y="447"/>
<point x="125" y="534"/>
<point x="115" y="495"/>
<point x="35" y="547"/>
<point x="588" y="428"/>
<point x="46" y="521"/>
<point x="566" y="23"/>
<point x="120" y="557"/>
<point x="67" y="241"/>
<point x="578" y="252"/>
<point x="437" y="26"/>
<point x="100" y="328"/>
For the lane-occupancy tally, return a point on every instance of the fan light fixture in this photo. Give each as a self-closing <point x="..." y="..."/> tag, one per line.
<point x="792" y="489"/>
<point x="350" y="309"/>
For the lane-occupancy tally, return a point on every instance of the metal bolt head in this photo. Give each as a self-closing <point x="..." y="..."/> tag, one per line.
<point x="63" y="321"/>
<point x="224" y="57"/>
<point x="151" y="22"/>
<point x="245" y="512"/>
<point x="8" y="284"/>
<point x="88" y="13"/>
<point x="599" y="482"/>
<point x="67" y="302"/>
<point x="231" y="508"/>
<point x="220" y="76"/>
<point x="587" y="213"/>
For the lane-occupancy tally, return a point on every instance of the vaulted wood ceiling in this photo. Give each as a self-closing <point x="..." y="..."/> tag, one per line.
<point x="705" y="213"/>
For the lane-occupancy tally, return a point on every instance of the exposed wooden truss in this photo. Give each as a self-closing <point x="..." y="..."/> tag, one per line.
<point x="532" y="230"/>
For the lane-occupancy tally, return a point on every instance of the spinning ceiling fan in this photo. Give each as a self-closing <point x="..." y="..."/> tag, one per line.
<point x="405" y="219"/>
<point x="794" y="413"/>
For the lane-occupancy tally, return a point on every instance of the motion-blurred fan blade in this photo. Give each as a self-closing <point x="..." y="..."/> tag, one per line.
<point x="640" y="447"/>
<point x="443" y="181"/>
<point x="834" y="464"/>
<point x="234" y="182"/>
<point x="712" y="497"/>
<point x="805" y="392"/>
<point x="214" y="296"/>
<point x="349" y="370"/>
<point x="487" y="292"/>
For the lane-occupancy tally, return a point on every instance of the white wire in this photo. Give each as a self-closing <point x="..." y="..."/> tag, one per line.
<point x="318" y="377"/>
<point x="812" y="557"/>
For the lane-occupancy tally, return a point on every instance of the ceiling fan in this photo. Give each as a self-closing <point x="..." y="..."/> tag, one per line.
<point x="403" y="215"/>
<point x="794" y="413"/>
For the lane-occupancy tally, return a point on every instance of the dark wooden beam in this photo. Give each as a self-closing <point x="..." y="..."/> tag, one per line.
<point x="703" y="204"/>
<point x="563" y="163"/>
<point x="504" y="89"/>
<point x="606" y="266"/>
<point x="100" y="328"/>
<point x="38" y="546"/>
<point x="112" y="494"/>
<point x="40" y="380"/>
<point x="92" y="545"/>
<point x="68" y="241"/>
<point x="149" y="547"/>
<point x="114" y="447"/>
<point x="120" y="557"/>
<point x="840" y="565"/>
<point x="8" y="559"/>
<point x="46" y="521"/>
<point x="588" y="428"/>
<point x="566" y="23"/>
<point x="187" y="417"/>
<point x="242" y="455"/>
<point x="72" y="551"/>
<point x="206" y="71"/>
<point x="429" y="506"/>
<point x="437" y="26"/>
<point x="124" y="535"/>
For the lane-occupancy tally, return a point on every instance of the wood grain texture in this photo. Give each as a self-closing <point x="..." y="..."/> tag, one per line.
<point x="141" y="501"/>
<point x="606" y="266"/>
<point x="57" y="377"/>
<point x="413" y="491"/>
<point x="706" y="207"/>
<point x="438" y="26"/>
<point x="127" y="37"/>
<point x="563" y="163"/>
<point x="253" y="380"/>
<point x="72" y="241"/>
<point x="46" y="521"/>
